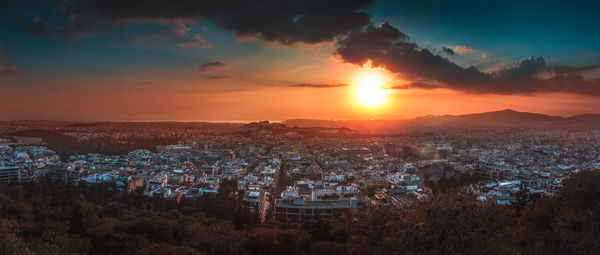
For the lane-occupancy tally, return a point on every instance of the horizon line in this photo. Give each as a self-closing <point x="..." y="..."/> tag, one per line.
<point x="277" y="120"/>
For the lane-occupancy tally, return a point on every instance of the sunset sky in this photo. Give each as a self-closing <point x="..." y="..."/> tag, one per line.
<point x="280" y="59"/>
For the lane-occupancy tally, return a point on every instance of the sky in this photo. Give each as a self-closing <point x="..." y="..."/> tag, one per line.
<point x="121" y="60"/>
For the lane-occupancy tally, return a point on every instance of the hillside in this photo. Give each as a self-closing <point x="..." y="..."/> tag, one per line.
<point x="503" y="118"/>
<point x="46" y="136"/>
<point x="506" y="117"/>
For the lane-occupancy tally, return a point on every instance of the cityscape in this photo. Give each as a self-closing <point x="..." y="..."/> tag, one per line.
<point x="299" y="127"/>
<point x="301" y="175"/>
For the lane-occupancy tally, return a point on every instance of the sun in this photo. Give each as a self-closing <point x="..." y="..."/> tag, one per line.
<point x="370" y="91"/>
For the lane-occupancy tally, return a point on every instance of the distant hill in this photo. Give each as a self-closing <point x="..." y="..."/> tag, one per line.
<point x="503" y="115"/>
<point x="314" y="123"/>
<point x="503" y="118"/>
<point x="282" y="129"/>
<point x="589" y="118"/>
<point x="264" y="125"/>
<point x="506" y="117"/>
<point x="352" y="124"/>
<point x="46" y="136"/>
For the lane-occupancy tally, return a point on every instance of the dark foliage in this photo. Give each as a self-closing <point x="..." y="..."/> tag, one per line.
<point x="94" y="219"/>
<point x="66" y="146"/>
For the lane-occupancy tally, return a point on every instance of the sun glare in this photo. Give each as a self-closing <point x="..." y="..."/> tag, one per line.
<point x="370" y="91"/>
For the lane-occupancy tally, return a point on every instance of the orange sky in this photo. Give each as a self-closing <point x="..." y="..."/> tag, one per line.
<point x="257" y="96"/>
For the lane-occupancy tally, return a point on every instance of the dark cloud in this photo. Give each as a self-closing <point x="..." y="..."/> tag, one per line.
<point x="448" y="50"/>
<point x="387" y="47"/>
<point x="283" y="21"/>
<point x="76" y="22"/>
<point x="78" y="27"/>
<point x="318" y="86"/>
<point x="576" y="69"/>
<point x="400" y="87"/>
<point x="313" y="21"/>
<point x="144" y="82"/>
<point x="522" y="70"/>
<point x="211" y="65"/>
<point x="215" y="78"/>
<point x="418" y="85"/>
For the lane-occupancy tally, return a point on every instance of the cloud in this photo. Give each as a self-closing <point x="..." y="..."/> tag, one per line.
<point x="387" y="47"/>
<point x="576" y="69"/>
<point x="418" y="85"/>
<point x="448" y="50"/>
<point x="522" y="70"/>
<point x="76" y="22"/>
<point x="178" y="33"/>
<point x="211" y="65"/>
<point x="461" y="49"/>
<point x="194" y="40"/>
<point x="317" y="86"/>
<point x="215" y="78"/>
<point x="144" y="82"/>
<point x="283" y="21"/>
<point x="5" y="70"/>
<point x="313" y="21"/>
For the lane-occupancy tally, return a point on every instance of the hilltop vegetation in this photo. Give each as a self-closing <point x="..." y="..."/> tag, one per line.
<point x="66" y="146"/>
<point x="66" y="219"/>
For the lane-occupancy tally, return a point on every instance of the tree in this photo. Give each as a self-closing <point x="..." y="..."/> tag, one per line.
<point x="327" y="248"/>
<point x="566" y="223"/>
<point x="274" y="241"/>
<point x="76" y="221"/>
<point x="160" y="249"/>
<point x="218" y="238"/>
<point x="10" y="243"/>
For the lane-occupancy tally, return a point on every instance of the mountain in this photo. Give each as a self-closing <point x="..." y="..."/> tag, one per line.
<point x="506" y="117"/>
<point x="502" y="118"/>
<point x="503" y="115"/>
<point x="585" y="117"/>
